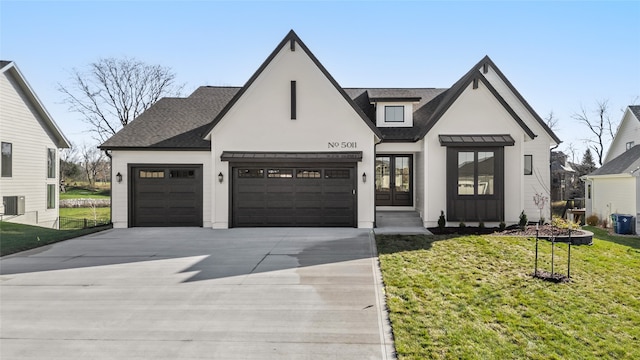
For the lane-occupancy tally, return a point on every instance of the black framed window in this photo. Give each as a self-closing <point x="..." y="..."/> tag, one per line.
<point x="630" y="144"/>
<point x="476" y="173"/>
<point x="528" y="164"/>
<point x="394" y="114"/>
<point x="51" y="196"/>
<point x="51" y="163"/>
<point x="475" y="183"/>
<point x="6" y="149"/>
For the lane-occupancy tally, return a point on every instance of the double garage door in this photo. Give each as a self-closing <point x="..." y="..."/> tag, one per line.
<point x="261" y="195"/>
<point x="276" y="195"/>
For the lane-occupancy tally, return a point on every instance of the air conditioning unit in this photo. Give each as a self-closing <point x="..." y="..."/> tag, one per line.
<point x="13" y="205"/>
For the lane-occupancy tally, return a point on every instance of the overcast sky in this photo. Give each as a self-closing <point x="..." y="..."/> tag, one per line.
<point x="559" y="55"/>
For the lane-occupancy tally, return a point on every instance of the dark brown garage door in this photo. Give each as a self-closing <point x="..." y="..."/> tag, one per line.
<point x="294" y="196"/>
<point x="166" y="195"/>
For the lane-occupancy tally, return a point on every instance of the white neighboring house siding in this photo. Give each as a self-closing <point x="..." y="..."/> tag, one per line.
<point x="628" y="131"/>
<point x="476" y="111"/>
<point x="613" y="195"/>
<point x="120" y="161"/>
<point x="540" y="148"/>
<point x="22" y="126"/>
<point x="261" y="121"/>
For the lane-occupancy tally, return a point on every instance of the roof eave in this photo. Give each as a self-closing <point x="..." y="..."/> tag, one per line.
<point x="60" y="139"/>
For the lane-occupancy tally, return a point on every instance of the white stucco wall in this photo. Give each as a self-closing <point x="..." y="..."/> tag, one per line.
<point x="540" y="181"/>
<point x="260" y="121"/>
<point x="475" y="112"/>
<point x="120" y="191"/>
<point x="22" y="126"/>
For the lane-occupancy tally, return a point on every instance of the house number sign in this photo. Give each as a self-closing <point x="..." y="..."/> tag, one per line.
<point x="342" y="145"/>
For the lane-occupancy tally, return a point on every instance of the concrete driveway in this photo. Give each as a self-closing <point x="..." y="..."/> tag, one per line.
<point x="191" y="293"/>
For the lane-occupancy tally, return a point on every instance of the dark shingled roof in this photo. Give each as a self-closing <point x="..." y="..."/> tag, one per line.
<point x="183" y="122"/>
<point x="4" y="63"/>
<point x="635" y="109"/>
<point x="421" y="114"/>
<point x="174" y="122"/>
<point x="627" y="162"/>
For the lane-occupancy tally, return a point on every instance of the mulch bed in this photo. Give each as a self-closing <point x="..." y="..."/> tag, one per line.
<point x="514" y="230"/>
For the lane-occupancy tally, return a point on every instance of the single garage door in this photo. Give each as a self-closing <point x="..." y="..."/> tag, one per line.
<point x="166" y="195"/>
<point x="273" y="195"/>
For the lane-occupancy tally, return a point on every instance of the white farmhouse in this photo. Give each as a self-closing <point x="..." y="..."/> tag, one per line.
<point x="293" y="148"/>
<point x="614" y="188"/>
<point x="29" y="142"/>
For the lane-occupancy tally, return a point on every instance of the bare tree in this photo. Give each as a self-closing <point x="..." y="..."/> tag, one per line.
<point x="112" y="92"/>
<point x="600" y="126"/>
<point x="68" y="165"/>
<point x="551" y="121"/>
<point x="92" y="160"/>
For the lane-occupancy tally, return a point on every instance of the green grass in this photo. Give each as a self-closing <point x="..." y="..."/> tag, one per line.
<point x="85" y="213"/>
<point x="473" y="297"/>
<point x="18" y="237"/>
<point x="85" y="193"/>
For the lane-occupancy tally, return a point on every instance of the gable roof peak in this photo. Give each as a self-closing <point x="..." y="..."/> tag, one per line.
<point x="292" y="37"/>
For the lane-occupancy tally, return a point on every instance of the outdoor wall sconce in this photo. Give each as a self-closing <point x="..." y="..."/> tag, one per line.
<point x="364" y="177"/>
<point x="220" y="177"/>
<point x="119" y="177"/>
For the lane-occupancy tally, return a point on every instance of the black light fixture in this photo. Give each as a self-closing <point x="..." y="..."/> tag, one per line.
<point x="364" y="177"/>
<point x="119" y="177"/>
<point x="220" y="177"/>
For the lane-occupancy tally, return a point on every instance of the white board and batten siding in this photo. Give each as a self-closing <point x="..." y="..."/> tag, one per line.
<point x="22" y="126"/>
<point x="261" y="121"/>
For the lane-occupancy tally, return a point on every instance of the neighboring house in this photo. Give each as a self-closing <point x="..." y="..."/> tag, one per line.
<point x="563" y="177"/>
<point x="30" y="143"/>
<point x="293" y="148"/>
<point x="615" y="187"/>
<point x="628" y="134"/>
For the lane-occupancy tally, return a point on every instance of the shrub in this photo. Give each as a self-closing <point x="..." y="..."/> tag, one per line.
<point x="523" y="220"/>
<point x="593" y="220"/>
<point x="561" y="223"/>
<point x="462" y="225"/>
<point x="441" y="220"/>
<point x="481" y="225"/>
<point x="502" y="225"/>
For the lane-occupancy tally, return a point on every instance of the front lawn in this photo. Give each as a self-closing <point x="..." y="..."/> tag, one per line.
<point x="473" y="297"/>
<point x="76" y="192"/>
<point x="86" y="213"/>
<point x="17" y="237"/>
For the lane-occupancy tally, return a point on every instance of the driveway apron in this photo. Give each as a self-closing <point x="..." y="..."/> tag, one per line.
<point x="193" y="293"/>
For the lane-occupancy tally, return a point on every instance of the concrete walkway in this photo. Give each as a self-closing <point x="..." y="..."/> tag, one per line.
<point x="191" y="293"/>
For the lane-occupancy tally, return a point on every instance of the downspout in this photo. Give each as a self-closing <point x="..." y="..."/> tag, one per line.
<point x="551" y="182"/>
<point x="375" y="154"/>
<point x="106" y="152"/>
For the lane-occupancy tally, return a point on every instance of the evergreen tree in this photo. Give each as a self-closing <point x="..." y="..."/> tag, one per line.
<point x="588" y="165"/>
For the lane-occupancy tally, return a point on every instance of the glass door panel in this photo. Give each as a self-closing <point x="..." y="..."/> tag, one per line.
<point x="394" y="180"/>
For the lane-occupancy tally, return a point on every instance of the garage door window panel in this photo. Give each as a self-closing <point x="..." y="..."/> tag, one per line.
<point x="279" y="173"/>
<point x="151" y="174"/>
<point x="251" y="173"/>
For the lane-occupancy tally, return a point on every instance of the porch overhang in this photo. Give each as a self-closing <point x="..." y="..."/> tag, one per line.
<point x="487" y="140"/>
